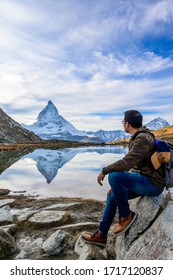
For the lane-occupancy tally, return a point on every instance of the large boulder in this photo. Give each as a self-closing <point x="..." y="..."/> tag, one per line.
<point x="48" y="218"/>
<point x="53" y="245"/>
<point x="87" y="251"/>
<point x="4" y="202"/>
<point x="151" y="235"/>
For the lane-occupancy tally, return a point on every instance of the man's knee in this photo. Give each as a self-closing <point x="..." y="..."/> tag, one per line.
<point x="113" y="177"/>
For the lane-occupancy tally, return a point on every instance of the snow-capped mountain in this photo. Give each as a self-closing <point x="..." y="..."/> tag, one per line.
<point x="157" y="123"/>
<point x="51" y="125"/>
<point x="107" y="136"/>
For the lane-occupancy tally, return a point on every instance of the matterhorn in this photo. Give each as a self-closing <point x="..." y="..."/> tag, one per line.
<point x="51" y="125"/>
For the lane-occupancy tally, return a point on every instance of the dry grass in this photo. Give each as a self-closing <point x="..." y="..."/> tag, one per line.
<point x="43" y="144"/>
<point x="165" y="133"/>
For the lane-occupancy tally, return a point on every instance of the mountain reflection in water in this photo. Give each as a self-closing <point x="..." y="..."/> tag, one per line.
<point x="69" y="172"/>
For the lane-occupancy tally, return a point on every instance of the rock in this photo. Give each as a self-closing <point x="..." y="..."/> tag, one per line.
<point x="89" y="252"/>
<point x="4" y="202"/>
<point x="21" y="256"/>
<point x="23" y="214"/>
<point x="5" y="215"/>
<point x="7" y="244"/>
<point x="30" y="249"/>
<point x="49" y="218"/>
<point x="43" y="233"/>
<point x="9" y="228"/>
<point x="53" y="245"/>
<point x="4" y="191"/>
<point x="151" y="235"/>
<point x="147" y="209"/>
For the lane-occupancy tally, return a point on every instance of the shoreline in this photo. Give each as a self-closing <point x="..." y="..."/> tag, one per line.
<point x="47" y="145"/>
<point x="31" y="222"/>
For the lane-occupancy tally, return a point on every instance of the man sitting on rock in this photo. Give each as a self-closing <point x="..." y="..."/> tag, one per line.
<point x="130" y="177"/>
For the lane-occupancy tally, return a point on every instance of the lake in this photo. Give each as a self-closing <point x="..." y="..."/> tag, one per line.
<point x="70" y="172"/>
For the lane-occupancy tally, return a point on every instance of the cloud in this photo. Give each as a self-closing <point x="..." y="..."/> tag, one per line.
<point x="93" y="59"/>
<point x="159" y="13"/>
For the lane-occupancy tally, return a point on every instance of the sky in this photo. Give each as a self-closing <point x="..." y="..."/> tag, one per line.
<point x="94" y="59"/>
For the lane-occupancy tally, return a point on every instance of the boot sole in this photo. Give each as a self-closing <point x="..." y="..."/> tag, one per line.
<point x="129" y="225"/>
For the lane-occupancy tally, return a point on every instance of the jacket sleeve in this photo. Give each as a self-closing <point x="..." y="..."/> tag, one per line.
<point x="138" y="152"/>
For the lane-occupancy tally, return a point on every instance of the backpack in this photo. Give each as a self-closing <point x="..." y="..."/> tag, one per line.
<point x="169" y="168"/>
<point x="168" y="149"/>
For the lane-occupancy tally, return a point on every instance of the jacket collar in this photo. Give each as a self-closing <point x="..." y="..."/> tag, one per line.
<point x="140" y="130"/>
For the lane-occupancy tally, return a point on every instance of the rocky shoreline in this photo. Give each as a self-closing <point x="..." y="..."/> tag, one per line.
<point x="50" y="228"/>
<point x="32" y="228"/>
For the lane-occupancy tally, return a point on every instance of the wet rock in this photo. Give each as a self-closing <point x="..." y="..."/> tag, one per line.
<point x="7" y="244"/>
<point x="49" y="218"/>
<point x="53" y="245"/>
<point x="5" y="215"/>
<point x="4" y="202"/>
<point x="89" y="252"/>
<point x="146" y="236"/>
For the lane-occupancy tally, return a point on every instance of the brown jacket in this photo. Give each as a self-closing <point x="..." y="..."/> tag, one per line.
<point x="141" y="147"/>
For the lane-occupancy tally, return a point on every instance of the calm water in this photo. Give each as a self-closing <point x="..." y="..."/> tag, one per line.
<point x="63" y="172"/>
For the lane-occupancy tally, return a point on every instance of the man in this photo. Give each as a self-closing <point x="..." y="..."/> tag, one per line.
<point x="130" y="177"/>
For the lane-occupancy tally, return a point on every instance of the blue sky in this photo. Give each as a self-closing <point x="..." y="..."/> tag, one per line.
<point x="94" y="59"/>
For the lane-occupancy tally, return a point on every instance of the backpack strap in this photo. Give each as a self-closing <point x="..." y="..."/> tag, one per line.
<point x="170" y="145"/>
<point x="146" y="132"/>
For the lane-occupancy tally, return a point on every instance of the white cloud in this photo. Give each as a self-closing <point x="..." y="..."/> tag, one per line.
<point x="157" y="13"/>
<point x="85" y="57"/>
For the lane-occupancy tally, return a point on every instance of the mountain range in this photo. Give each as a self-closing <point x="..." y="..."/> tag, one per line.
<point x="51" y="125"/>
<point x="157" y="123"/>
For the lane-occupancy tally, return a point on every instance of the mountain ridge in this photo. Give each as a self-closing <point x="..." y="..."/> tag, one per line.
<point x="12" y="132"/>
<point x="157" y="123"/>
<point x="51" y="125"/>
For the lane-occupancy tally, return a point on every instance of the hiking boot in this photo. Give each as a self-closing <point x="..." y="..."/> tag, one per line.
<point x="124" y="223"/>
<point x="95" y="238"/>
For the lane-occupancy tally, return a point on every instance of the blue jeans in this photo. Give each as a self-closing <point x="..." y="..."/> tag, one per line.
<point x="125" y="186"/>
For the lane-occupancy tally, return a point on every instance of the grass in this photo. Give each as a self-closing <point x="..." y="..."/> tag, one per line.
<point x="49" y="144"/>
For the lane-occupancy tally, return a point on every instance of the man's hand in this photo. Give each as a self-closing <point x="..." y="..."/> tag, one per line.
<point x="100" y="178"/>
